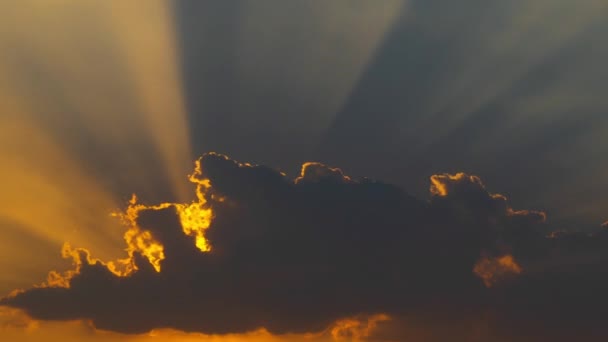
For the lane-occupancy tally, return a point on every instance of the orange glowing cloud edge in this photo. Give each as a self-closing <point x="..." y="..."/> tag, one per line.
<point x="440" y="187"/>
<point x="356" y="329"/>
<point x="353" y="329"/>
<point x="439" y="183"/>
<point x="491" y="270"/>
<point x="196" y="217"/>
<point x="494" y="270"/>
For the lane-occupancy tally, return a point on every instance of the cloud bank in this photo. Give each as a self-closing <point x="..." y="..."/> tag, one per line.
<point x="261" y="250"/>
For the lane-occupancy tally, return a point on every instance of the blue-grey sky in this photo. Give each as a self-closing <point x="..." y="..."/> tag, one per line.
<point x="511" y="91"/>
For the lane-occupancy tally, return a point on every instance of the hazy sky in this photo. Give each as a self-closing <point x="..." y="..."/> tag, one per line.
<point x="102" y="99"/>
<point x="404" y="89"/>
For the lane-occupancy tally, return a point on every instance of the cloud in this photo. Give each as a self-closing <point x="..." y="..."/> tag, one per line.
<point x="493" y="270"/>
<point x="325" y="252"/>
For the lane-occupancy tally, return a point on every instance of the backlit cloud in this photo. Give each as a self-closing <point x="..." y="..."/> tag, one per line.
<point x="319" y="254"/>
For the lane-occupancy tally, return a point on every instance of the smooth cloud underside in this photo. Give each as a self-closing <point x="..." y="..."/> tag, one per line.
<point x="260" y="250"/>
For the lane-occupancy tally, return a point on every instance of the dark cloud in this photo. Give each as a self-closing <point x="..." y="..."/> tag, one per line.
<point x="296" y="255"/>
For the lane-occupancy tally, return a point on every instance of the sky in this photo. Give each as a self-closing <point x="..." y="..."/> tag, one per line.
<point x="348" y="170"/>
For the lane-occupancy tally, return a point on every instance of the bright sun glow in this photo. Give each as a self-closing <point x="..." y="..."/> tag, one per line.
<point x="90" y="102"/>
<point x="195" y="218"/>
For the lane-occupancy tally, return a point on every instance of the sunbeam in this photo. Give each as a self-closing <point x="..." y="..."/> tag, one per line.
<point x="91" y="111"/>
<point x="323" y="55"/>
<point x="492" y="59"/>
<point x="480" y="85"/>
<point x="349" y="158"/>
<point x="253" y="66"/>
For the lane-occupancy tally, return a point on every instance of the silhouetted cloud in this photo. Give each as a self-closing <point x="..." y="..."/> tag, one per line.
<point x="298" y="255"/>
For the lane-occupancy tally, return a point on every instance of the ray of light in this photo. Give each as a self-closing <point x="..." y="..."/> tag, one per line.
<point x="492" y="58"/>
<point x="477" y="53"/>
<point x="106" y="73"/>
<point x="45" y="192"/>
<point x="146" y="34"/>
<point x="481" y="86"/>
<point x="323" y="54"/>
<point x="275" y="70"/>
<point x="91" y="111"/>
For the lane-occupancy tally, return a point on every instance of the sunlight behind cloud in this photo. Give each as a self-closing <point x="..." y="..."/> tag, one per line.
<point x="492" y="58"/>
<point x="323" y="55"/>
<point x="103" y="74"/>
<point x="91" y="111"/>
<point x="257" y="65"/>
<point x="146" y="35"/>
<point x="49" y="194"/>
<point x="18" y="327"/>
